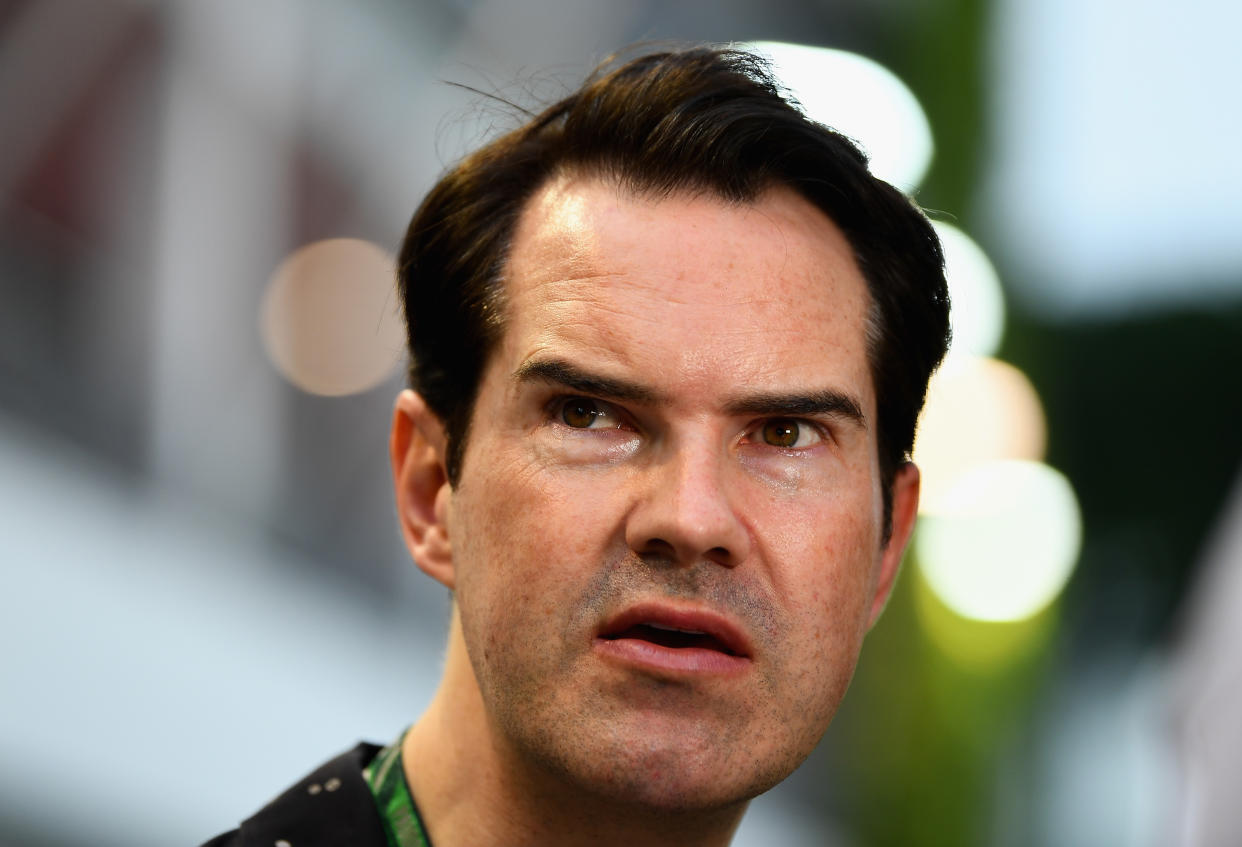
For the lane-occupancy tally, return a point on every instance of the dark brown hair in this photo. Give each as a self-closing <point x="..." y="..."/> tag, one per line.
<point x="700" y="120"/>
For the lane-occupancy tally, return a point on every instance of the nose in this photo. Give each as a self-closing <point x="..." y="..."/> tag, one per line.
<point x="685" y="512"/>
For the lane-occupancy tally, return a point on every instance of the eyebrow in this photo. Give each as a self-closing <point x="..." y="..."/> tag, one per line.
<point x="827" y="403"/>
<point x="560" y="372"/>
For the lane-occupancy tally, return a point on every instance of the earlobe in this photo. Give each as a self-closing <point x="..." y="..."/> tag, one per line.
<point x="905" y="511"/>
<point x="416" y="449"/>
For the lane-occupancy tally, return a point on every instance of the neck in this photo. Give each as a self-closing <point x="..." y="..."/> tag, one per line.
<point x="473" y="789"/>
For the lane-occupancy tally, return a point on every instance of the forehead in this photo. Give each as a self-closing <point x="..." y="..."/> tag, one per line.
<point x="688" y="284"/>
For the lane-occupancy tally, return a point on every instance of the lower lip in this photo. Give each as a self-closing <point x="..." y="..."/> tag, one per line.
<point x="646" y="654"/>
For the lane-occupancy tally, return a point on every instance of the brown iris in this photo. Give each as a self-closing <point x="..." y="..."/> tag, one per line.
<point x="579" y="412"/>
<point x="781" y="433"/>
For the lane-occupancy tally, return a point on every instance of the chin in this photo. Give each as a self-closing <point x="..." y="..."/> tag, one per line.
<point x="678" y="776"/>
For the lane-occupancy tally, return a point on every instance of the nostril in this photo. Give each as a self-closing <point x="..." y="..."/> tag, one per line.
<point x="658" y="550"/>
<point x="658" y="547"/>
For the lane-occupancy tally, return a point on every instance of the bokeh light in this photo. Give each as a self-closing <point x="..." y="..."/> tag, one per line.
<point x="1003" y="542"/>
<point x="860" y="98"/>
<point x="978" y="411"/>
<point x="978" y="314"/>
<point x="982" y="646"/>
<point x="329" y="318"/>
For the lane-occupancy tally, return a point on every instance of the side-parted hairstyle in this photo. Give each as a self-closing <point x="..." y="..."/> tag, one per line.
<point x="700" y="120"/>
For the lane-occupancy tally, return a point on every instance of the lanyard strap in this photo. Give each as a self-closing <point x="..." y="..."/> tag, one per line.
<point x="386" y="778"/>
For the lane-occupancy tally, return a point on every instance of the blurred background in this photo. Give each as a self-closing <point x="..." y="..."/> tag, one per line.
<point x="204" y="590"/>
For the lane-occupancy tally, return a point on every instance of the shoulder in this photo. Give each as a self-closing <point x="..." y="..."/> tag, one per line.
<point x="332" y="805"/>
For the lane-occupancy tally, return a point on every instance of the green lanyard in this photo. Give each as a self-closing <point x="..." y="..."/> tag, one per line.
<point x="386" y="778"/>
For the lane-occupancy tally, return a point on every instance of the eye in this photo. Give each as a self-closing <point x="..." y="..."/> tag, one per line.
<point x="789" y="433"/>
<point x="585" y="413"/>
<point x="579" y="412"/>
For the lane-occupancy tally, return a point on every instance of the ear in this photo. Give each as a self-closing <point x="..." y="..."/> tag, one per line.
<point x="905" y="510"/>
<point x="416" y="448"/>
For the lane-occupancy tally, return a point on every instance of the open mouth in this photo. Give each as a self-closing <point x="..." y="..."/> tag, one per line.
<point x="671" y="638"/>
<point x="667" y="636"/>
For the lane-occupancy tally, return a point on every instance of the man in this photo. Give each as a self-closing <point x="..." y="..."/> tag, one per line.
<point x="669" y="343"/>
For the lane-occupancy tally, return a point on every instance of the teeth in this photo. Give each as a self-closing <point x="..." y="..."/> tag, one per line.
<point x="675" y="629"/>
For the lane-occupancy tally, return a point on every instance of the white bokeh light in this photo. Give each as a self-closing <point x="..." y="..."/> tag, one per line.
<point x="860" y="98"/>
<point x="978" y="313"/>
<point x="1004" y="543"/>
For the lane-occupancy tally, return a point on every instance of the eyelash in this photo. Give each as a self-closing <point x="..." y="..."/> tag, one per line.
<point x="755" y="432"/>
<point x="557" y="407"/>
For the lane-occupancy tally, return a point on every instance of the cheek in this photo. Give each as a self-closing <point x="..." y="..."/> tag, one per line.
<point x="523" y="547"/>
<point x="831" y="590"/>
<point x="829" y="553"/>
<point x="522" y="537"/>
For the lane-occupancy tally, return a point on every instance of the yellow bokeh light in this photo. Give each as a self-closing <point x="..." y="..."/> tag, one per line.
<point x="1003" y="542"/>
<point x="977" y="411"/>
<point x="982" y="645"/>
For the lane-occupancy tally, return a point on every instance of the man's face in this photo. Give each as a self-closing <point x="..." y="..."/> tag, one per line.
<point x="666" y="539"/>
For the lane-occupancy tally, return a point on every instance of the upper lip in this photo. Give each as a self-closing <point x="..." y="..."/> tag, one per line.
<point x="687" y="619"/>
